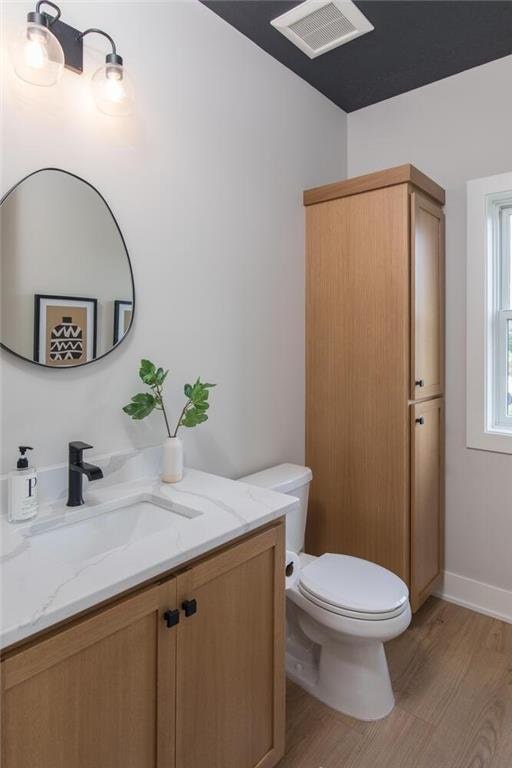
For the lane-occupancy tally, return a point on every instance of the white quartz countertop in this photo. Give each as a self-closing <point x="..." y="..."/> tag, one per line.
<point x="68" y="567"/>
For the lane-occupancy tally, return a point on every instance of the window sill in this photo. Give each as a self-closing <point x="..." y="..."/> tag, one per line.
<point x="496" y="440"/>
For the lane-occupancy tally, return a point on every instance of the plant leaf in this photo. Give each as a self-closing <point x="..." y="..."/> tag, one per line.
<point x="141" y="406"/>
<point x="196" y="391"/>
<point x="193" y="417"/>
<point x="143" y="398"/>
<point x="199" y="392"/>
<point x="160" y="376"/>
<point x="147" y="372"/>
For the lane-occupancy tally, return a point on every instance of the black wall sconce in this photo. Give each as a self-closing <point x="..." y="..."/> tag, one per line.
<point x="47" y="45"/>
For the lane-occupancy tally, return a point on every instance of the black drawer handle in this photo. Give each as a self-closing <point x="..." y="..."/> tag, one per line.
<point x="421" y="420"/>
<point x="172" y="617"/>
<point x="190" y="607"/>
<point x="419" y="383"/>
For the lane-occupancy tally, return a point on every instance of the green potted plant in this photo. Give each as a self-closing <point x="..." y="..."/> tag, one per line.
<point x="194" y="412"/>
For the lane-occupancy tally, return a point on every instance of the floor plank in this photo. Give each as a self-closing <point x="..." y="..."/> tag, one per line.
<point x="476" y="729"/>
<point x="397" y="743"/>
<point x="499" y="637"/>
<point x="429" y="661"/>
<point x="452" y="675"/>
<point x="316" y="735"/>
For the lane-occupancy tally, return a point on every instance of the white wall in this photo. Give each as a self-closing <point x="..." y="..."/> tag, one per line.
<point x="454" y="130"/>
<point x="206" y="183"/>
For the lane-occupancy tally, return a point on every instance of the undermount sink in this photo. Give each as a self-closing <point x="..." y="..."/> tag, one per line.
<point x="90" y="531"/>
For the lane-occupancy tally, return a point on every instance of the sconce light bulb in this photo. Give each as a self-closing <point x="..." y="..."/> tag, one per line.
<point x="115" y="90"/>
<point x="114" y="73"/>
<point x="112" y="90"/>
<point x="37" y="55"/>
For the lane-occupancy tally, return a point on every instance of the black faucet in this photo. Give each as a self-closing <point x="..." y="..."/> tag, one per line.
<point x="76" y="470"/>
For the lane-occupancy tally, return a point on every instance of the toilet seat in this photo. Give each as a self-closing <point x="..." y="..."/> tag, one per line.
<point x="352" y="614"/>
<point x="352" y="587"/>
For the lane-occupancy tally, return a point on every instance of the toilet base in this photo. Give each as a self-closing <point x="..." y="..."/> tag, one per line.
<point x="351" y="677"/>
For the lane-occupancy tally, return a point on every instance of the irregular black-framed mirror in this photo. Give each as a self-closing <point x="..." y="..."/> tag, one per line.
<point x="67" y="296"/>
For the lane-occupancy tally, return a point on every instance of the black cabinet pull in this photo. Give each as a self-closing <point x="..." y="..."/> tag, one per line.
<point x="421" y="420"/>
<point x="172" y="617"/>
<point x="419" y="383"/>
<point x="190" y="607"/>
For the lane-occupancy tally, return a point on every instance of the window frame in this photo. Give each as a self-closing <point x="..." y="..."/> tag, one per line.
<point x="489" y="309"/>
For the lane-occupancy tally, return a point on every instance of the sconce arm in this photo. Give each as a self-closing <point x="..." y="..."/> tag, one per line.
<point x="51" y="19"/>
<point x="97" y="32"/>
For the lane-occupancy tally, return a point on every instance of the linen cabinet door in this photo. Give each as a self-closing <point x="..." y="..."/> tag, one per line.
<point x="427" y="298"/>
<point x="97" y="695"/>
<point x="230" y="657"/>
<point x="427" y="498"/>
<point x="357" y="376"/>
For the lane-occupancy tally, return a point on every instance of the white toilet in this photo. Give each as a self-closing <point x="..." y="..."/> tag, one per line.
<point x="340" y="610"/>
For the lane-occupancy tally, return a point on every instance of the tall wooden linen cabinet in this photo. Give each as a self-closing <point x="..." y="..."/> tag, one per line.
<point x="375" y="372"/>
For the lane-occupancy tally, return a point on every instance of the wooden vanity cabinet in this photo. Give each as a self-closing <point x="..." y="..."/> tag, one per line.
<point x="230" y="703"/>
<point x="375" y="348"/>
<point x="91" y="695"/>
<point x="122" y="689"/>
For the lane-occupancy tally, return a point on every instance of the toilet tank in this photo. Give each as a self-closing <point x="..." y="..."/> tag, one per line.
<point x="293" y="480"/>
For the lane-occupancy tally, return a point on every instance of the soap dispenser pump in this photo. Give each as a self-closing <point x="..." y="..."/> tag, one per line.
<point x="22" y="489"/>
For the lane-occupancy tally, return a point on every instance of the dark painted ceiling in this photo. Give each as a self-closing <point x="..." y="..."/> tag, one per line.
<point x="415" y="42"/>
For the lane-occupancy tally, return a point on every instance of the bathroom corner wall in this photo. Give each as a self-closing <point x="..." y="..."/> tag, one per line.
<point x="454" y="130"/>
<point x="206" y="182"/>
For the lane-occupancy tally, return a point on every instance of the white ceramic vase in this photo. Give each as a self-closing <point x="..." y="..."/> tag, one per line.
<point x="172" y="460"/>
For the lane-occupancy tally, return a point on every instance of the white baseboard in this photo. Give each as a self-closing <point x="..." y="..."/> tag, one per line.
<point x="479" y="597"/>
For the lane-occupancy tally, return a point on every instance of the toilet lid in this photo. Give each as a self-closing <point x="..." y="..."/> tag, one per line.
<point x="353" y="584"/>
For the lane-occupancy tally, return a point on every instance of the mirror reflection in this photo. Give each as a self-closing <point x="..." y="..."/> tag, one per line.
<point x="66" y="286"/>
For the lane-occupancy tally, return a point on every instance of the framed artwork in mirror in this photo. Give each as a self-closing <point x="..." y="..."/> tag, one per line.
<point x="64" y="330"/>
<point x="123" y="311"/>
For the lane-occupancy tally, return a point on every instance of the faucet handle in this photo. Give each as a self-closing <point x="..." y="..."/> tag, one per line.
<point x="75" y="450"/>
<point x="78" y="445"/>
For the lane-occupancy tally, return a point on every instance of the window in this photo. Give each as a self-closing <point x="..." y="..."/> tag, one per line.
<point x="489" y="314"/>
<point x="500" y="217"/>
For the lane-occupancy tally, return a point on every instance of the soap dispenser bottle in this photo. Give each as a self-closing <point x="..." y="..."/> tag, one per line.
<point x="22" y="489"/>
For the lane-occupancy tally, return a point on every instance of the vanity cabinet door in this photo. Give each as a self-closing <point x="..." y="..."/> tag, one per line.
<point x="427" y="298"/>
<point x="230" y="657"/>
<point x="427" y="497"/>
<point x="87" y="697"/>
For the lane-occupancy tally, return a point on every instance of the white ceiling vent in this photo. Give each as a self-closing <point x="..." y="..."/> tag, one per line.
<point x="318" y="26"/>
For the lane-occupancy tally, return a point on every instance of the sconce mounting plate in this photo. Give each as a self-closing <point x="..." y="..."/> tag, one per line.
<point x="72" y="45"/>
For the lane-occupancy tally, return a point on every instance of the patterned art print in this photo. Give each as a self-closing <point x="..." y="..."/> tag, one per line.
<point x="64" y="330"/>
<point x="123" y="311"/>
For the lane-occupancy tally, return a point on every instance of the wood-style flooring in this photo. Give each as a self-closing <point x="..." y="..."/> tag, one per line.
<point x="452" y="676"/>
